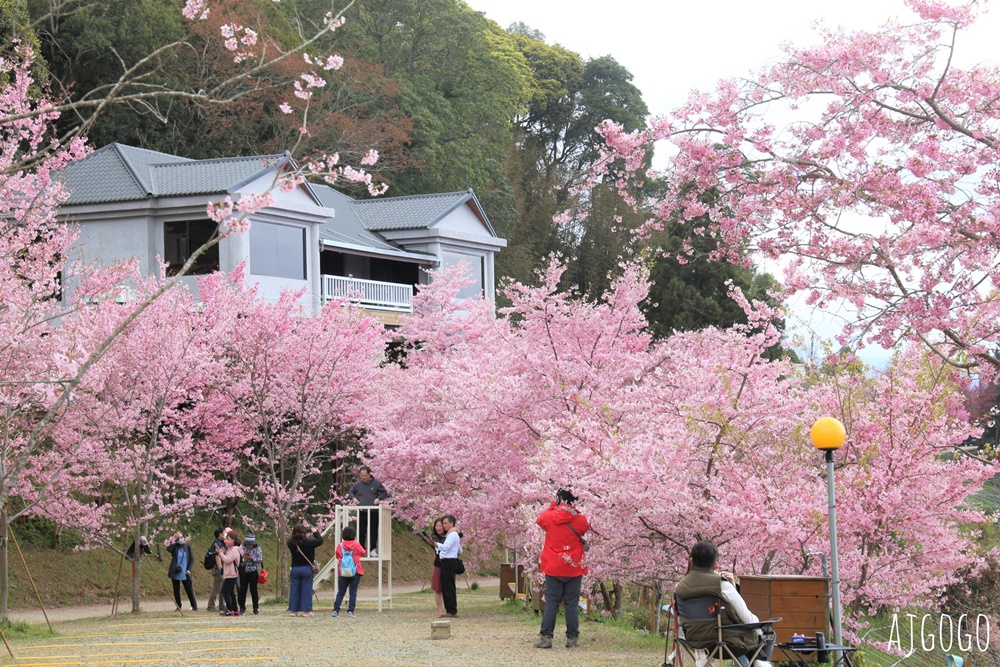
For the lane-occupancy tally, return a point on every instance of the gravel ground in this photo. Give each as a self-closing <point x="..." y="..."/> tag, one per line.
<point x="487" y="632"/>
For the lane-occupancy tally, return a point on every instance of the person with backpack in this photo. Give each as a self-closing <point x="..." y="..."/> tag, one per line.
<point x="253" y="563"/>
<point x="212" y="563"/>
<point x="562" y="563"/>
<point x="349" y="553"/>
<point x="230" y="556"/>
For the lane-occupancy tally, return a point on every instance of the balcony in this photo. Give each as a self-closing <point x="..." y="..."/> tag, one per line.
<point x="373" y="294"/>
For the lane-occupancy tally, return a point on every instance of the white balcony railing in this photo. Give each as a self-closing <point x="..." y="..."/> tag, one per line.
<point x="369" y="293"/>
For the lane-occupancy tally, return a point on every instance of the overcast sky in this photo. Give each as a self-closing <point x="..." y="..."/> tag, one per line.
<point x="674" y="47"/>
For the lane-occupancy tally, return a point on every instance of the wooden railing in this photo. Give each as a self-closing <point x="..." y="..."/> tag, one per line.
<point x="369" y="293"/>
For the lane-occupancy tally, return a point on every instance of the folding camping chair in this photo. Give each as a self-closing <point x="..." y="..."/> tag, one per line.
<point x="709" y="609"/>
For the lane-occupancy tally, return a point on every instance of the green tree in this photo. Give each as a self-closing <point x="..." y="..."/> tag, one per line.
<point x="463" y="81"/>
<point x="555" y="146"/>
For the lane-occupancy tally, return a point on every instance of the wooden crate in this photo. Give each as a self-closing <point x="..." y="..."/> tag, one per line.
<point x="803" y="603"/>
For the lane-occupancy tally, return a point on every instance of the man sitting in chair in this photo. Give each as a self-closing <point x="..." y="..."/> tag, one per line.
<point x="702" y="580"/>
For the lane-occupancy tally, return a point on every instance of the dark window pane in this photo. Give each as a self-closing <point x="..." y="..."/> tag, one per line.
<point x="181" y="238"/>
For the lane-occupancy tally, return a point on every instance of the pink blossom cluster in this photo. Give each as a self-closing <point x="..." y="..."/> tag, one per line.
<point x="882" y="191"/>
<point x="195" y="10"/>
<point x="238" y="39"/>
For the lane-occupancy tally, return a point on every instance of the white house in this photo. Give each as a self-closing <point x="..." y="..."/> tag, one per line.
<point x="132" y="203"/>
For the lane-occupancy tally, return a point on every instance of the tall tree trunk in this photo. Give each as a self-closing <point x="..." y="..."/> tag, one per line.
<point x="136" y="570"/>
<point x="606" y="597"/>
<point x="619" y="593"/>
<point x="230" y="511"/>
<point x="281" y="558"/>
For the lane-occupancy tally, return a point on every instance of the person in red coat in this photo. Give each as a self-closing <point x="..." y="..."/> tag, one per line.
<point x="562" y="563"/>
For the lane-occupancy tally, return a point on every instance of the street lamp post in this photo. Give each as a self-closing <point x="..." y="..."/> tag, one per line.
<point x="827" y="435"/>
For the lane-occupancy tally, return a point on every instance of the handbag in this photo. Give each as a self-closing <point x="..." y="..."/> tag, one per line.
<point x="586" y="547"/>
<point x="459" y="567"/>
<point x="262" y="577"/>
<point x="312" y="563"/>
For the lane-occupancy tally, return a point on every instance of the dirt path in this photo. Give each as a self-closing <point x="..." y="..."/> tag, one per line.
<point x="487" y="632"/>
<point x="158" y="605"/>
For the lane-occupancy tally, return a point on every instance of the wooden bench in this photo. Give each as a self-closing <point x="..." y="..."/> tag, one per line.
<point x="803" y="603"/>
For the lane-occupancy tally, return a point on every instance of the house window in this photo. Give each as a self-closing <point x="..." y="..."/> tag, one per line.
<point x="277" y="250"/>
<point x="475" y="272"/>
<point x="182" y="238"/>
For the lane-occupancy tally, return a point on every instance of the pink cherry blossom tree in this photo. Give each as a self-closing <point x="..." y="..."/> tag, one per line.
<point x="299" y="385"/>
<point x="866" y="162"/>
<point x="40" y="366"/>
<point x="147" y="422"/>
<point x="667" y="442"/>
<point x="32" y="353"/>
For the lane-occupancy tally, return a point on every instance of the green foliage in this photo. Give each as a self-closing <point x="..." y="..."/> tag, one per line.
<point x="39" y="532"/>
<point x="555" y="146"/>
<point x="25" y="630"/>
<point x="462" y="82"/>
<point x="90" y="48"/>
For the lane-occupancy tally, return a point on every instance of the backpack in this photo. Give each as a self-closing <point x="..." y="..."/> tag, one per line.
<point x="210" y="558"/>
<point x="347" y="566"/>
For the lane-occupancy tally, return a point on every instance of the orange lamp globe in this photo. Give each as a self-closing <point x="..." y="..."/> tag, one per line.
<point x="827" y="434"/>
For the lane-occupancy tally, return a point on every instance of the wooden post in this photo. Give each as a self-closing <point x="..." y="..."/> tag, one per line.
<point x="118" y="583"/>
<point x="6" y="643"/>
<point x="41" y="606"/>
<point x="170" y="592"/>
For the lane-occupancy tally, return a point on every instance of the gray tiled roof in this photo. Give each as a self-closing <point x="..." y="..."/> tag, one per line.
<point x="110" y="174"/>
<point x="207" y="176"/>
<point x="140" y="159"/>
<point x="124" y="173"/>
<point x="346" y="227"/>
<point x="414" y="212"/>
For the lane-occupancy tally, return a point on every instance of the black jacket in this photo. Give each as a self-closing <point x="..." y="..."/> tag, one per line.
<point x="174" y="549"/>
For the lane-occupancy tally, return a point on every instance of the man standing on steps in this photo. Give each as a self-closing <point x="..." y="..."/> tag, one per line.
<point x="368" y="491"/>
<point x="563" y="566"/>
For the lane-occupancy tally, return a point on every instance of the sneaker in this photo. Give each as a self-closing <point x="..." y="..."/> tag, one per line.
<point x="256" y="612"/>
<point x="573" y="643"/>
<point x="350" y="614"/>
<point x="308" y="613"/>
<point x="294" y="613"/>
<point x="544" y="642"/>
<point x="335" y="614"/>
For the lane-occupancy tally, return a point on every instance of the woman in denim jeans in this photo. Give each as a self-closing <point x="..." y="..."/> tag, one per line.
<point x="303" y="550"/>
